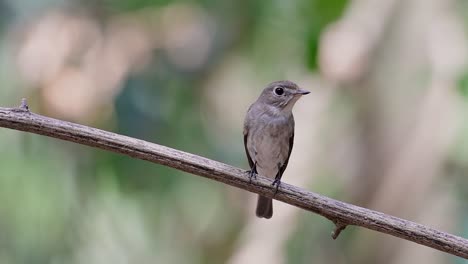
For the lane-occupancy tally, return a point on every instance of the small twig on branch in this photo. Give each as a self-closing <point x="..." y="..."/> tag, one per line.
<point x="24" y="104"/>
<point x="339" y="226"/>
<point x="342" y="214"/>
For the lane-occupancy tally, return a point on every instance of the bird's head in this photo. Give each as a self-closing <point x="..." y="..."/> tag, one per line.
<point x="282" y="95"/>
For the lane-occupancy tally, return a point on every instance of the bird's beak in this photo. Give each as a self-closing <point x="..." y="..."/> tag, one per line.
<point x="302" y="92"/>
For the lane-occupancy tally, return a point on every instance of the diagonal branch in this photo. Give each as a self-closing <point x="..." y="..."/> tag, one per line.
<point x="342" y="214"/>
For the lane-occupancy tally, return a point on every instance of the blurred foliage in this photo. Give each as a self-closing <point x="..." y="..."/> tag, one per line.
<point x="65" y="203"/>
<point x="320" y="14"/>
<point x="134" y="5"/>
<point x="463" y="85"/>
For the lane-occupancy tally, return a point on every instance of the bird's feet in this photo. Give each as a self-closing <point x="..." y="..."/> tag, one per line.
<point x="252" y="174"/>
<point x="276" y="182"/>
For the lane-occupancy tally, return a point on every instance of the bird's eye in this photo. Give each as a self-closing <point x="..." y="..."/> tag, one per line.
<point x="279" y="91"/>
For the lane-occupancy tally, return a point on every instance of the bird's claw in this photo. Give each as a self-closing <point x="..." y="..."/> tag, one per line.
<point x="276" y="182"/>
<point x="252" y="174"/>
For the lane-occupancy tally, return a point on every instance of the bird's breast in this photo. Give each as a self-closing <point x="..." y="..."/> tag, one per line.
<point x="270" y="144"/>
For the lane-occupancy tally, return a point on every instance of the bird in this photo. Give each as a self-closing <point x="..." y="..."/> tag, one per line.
<point x="269" y="136"/>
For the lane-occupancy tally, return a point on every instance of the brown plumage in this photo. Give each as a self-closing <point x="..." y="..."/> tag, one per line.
<point x="269" y="135"/>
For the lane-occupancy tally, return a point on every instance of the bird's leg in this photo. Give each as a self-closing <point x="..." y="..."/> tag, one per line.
<point x="277" y="180"/>
<point x="253" y="172"/>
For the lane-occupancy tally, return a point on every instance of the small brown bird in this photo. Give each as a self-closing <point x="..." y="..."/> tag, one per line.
<point x="269" y="135"/>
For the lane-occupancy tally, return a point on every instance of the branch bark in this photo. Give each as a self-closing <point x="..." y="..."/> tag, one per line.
<point x="340" y="213"/>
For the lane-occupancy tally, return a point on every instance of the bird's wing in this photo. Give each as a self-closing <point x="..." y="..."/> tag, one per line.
<point x="246" y="138"/>
<point x="285" y="164"/>
<point x="246" y="135"/>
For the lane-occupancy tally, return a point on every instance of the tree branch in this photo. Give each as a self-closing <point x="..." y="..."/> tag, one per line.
<point x="342" y="214"/>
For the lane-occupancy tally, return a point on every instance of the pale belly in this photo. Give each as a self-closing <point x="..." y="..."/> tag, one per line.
<point x="271" y="152"/>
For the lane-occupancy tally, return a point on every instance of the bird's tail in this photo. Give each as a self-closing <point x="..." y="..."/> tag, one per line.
<point x="264" y="207"/>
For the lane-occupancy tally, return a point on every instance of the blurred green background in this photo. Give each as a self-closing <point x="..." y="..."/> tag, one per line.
<point x="385" y="127"/>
